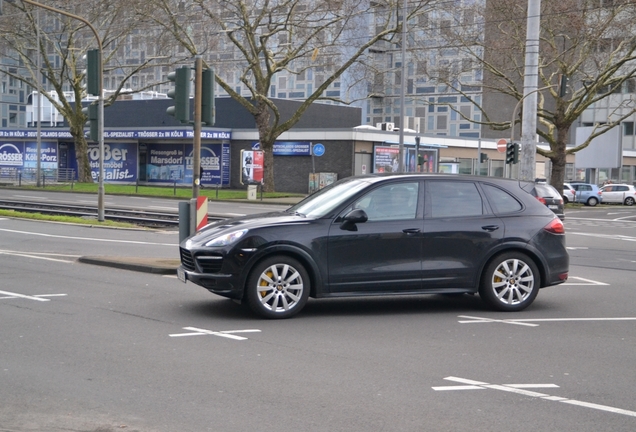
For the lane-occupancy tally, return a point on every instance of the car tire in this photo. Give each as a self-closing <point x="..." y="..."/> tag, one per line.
<point x="510" y="282"/>
<point x="592" y="201"/>
<point x="565" y="200"/>
<point x="629" y="201"/>
<point x="278" y="287"/>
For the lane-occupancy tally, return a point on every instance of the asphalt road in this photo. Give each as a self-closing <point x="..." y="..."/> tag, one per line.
<point x="96" y="349"/>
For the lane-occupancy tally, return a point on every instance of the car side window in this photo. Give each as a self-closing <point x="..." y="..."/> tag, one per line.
<point x="390" y="202"/>
<point x="451" y="199"/>
<point x="500" y="200"/>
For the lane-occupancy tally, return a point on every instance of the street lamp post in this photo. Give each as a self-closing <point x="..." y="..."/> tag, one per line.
<point x="100" y="100"/>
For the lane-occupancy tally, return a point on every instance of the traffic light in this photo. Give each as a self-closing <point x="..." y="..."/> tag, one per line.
<point x="512" y="153"/>
<point x="181" y="94"/>
<point x="90" y="111"/>
<point x="483" y="157"/>
<point x="93" y="67"/>
<point x="207" y="97"/>
<point x="563" y="85"/>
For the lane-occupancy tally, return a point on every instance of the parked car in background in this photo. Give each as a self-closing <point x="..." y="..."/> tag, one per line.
<point x="587" y="193"/>
<point x="568" y="193"/>
<point x="549" y="197"/>
<point x="619" y="194"/>
<point x="384" y="235"/>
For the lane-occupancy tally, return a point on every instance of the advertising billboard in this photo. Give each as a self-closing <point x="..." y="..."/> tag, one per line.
<point x="120" y="161"/>
<point x="252" y="166"/>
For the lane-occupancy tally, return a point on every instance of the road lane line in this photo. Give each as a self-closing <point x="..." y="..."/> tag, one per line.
<point x="88" y="238"/>
<point x="599" y="407"/>
<point x="518" y="389"/>
<point x="37" y="257"/>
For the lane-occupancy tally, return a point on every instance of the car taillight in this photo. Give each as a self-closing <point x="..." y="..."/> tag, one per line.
<point x="541" y="200"/>
<point x="555" y="226"/>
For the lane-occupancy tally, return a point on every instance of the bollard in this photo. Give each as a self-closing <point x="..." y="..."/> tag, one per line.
<point x="184" y="220"/>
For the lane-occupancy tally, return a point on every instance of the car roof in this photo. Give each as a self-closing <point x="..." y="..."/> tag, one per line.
<point x="441" y="176"/>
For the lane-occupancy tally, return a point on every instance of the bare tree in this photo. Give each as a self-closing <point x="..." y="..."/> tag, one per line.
<point x="591" y="43"/>
<point x="256" y="41"/>
<point x="63" y="44"/>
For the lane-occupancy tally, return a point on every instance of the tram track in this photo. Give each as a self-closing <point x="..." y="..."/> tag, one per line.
<point x="143" y="218"/>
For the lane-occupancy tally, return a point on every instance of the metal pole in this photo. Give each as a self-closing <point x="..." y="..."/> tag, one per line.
<point x="529" y="122"/>
<point x="100" y="128"/>
<point x="402" y="91"/>
<point x="38" y="164"/>
<point x="196" y="153"/>
<point x="100" y="112"/>
<point x="514" y="115"/>
<point x="479" y="157"/>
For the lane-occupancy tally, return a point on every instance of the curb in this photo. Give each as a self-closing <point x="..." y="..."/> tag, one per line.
<point x="146" y="265"/>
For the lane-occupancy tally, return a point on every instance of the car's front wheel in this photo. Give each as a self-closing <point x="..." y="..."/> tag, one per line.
<point x="278" y="287"/>
<point x="592" y="201"/>
<point x="510" y="282"/>
<point x="629" y="201"/>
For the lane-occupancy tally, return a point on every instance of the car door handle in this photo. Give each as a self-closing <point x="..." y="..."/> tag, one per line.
<point x="411" y="231"/>
<point x="490" y="228"/>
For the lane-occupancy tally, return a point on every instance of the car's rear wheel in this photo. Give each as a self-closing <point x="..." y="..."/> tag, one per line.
<point x="565" y="200"/>
<point x="629" y="201"/>
<point x="510" y="282"/>
<point x="278" y="287"/>
<point x="592" y="201"/>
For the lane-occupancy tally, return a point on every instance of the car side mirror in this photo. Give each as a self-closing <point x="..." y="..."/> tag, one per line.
<point x="352" y="218"/>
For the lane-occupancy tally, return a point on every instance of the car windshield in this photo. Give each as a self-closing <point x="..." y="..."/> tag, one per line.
<point x="325" y="201"/>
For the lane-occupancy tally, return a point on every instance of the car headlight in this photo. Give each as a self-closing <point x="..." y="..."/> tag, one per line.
<point x="227" y="239"/>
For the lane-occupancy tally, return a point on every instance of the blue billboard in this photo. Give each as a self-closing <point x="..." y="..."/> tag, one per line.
<point x="173" y="163"/>
<point x="120" y="161"/>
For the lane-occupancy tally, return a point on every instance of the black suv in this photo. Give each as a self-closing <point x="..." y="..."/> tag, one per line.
<point x="386" y="235"/>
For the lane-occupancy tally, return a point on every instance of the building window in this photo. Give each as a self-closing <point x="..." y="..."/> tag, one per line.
<point x="628" y="128"/>
<point x="442" y="122"/>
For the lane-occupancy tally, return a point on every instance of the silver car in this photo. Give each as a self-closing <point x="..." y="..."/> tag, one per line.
<point x="619" y="194"/>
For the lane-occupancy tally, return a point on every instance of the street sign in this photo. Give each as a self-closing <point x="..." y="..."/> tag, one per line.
<point x="318" y="149"/>
<point x="501" y="145"/>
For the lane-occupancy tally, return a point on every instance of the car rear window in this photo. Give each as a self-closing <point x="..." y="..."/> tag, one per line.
<point x="500" y="200"/>
<point x="546" y="191"/>
<point x="453" y="198"/>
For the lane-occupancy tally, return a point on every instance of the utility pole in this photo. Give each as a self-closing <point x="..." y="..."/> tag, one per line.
<point x="527" y="166"/>
<point x="100" y="99"/>
<point x="402" y="91"/>
<point x="196" y="154"/>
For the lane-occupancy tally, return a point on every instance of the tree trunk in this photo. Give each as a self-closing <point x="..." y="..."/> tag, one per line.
<point x="267" y="145"/>
<point x="81" y="156"/>
<point x="558" y="159"/>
